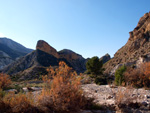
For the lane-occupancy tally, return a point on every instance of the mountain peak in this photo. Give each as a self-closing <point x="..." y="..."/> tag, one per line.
<point x="141" y="29"/>
<point x="44" y="46"/>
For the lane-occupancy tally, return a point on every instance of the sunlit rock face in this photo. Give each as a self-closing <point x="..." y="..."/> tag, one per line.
<point x="137" y="45"/>
<point x="44" y="46"/>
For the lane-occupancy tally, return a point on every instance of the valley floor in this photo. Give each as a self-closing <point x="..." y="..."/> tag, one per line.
<point x="107" y="95"/>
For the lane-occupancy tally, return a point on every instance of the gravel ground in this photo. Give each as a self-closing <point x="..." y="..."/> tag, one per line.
<point x="106" y="95"/>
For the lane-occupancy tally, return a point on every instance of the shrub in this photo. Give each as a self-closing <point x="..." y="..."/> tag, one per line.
<point x="94" y="66"/>
<point x="119" y="75"/>
<point x="20" y="103"/>
<point x="132" y="77"/>
<point x="65" y="94"/>
<point x="139" y="77"/>
<point x="95" y="70"/>
<point x="5" y="80"/>
<point x="4" y="108"/>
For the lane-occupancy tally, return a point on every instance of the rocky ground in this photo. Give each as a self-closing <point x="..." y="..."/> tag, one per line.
<point x="110" y="96"/>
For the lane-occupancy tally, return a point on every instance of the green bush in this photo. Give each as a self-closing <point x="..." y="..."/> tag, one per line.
<point x="119" y="78"/>
<point x="95" y="70"/>
<point x="94" y="66"/>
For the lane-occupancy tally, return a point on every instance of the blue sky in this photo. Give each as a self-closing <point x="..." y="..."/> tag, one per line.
<point x="88" y="27"/>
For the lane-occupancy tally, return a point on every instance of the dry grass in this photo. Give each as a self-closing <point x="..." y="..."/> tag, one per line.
<point x="20" y="103"/>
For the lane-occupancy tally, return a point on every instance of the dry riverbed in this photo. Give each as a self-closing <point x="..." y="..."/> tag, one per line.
<point x="109" y="96"/>
<point x="106" y="95"/>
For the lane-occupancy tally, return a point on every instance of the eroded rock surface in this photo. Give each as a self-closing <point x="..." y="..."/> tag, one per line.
<point x="137" y="45"/>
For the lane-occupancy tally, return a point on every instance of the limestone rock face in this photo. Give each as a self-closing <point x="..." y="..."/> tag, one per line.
<point x="44" y="46"/>
<point x="137" y="45"/>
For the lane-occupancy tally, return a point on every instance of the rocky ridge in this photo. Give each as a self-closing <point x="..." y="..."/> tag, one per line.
<point x="34" y="64"/>
<point x="138" y="45"/>
<point x="11" y="51"/>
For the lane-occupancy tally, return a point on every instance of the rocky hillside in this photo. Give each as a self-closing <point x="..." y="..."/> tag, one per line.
<point x="137" y="46"/>
<point x="34" y="64"/>
<point x="14" y="45"/>
<point x="10" y="51"/>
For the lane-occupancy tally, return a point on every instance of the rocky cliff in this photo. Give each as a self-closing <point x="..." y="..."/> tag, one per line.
<point x="138" y="45"/>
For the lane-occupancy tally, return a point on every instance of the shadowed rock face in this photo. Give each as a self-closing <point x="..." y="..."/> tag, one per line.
<point x="105" y="58"/>
<point x="14" y="45"/>
<point x="76" y="60"/>
<point x="10" y="51"/>
<point x="137" y="45"/>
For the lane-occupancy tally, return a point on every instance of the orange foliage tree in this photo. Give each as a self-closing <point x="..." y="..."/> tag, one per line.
<point x="5" y="80"/>
<point x="65" y="93"/>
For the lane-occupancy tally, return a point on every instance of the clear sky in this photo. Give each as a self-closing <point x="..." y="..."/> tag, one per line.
<point x="88" y="27"/>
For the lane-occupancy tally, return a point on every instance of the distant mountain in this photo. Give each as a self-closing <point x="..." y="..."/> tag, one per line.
<point x="105" y="58"/>
<point x="75" y="60"/>
<point x="137" y="47"/>
<point x="10" y="51"/>
<point x="34" y="64"/>
<point x="14" y="45"/>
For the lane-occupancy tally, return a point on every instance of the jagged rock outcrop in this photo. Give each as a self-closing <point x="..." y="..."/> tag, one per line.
<point x="137" y="45"/>
<point x="44" y="46"/>
<point x="34" y="65"/>
<point x="105" y="58"/>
